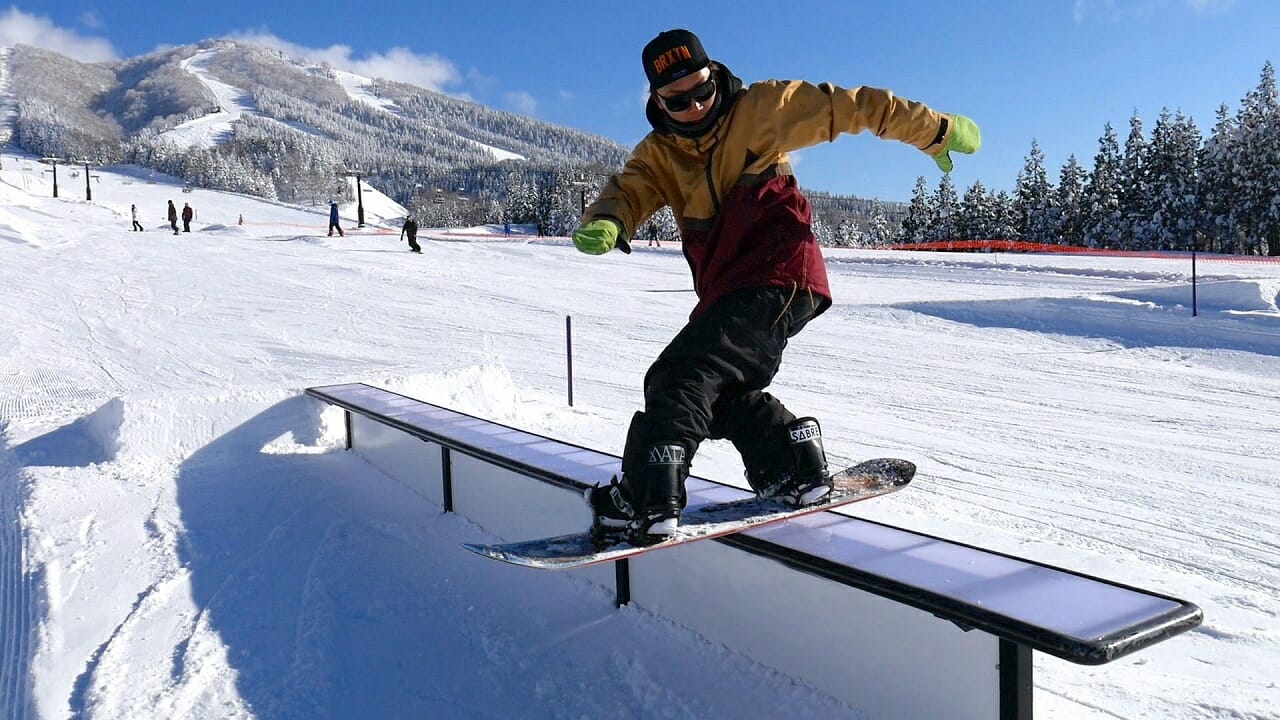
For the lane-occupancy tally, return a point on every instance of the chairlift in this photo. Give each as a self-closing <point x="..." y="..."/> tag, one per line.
<point x="187" y="188"/>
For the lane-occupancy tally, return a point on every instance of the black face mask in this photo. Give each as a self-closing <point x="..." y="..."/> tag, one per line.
<point x="699" y="128"/>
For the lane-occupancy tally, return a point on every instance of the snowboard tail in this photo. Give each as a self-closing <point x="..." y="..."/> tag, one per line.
<point x="868" y="479"/>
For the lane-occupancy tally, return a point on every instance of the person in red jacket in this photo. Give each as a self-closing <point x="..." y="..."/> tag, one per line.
<point x="717" y="155"/>
<point x="187" y="215"/>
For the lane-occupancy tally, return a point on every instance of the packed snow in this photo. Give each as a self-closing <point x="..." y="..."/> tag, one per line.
<point x="215" y="127"/>
<point x="183" y="535"/>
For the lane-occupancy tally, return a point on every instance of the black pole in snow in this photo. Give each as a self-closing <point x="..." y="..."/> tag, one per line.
<point x="568" y="347"/>
<point x="1193" y="283"/>
<point x="359" y="204"/>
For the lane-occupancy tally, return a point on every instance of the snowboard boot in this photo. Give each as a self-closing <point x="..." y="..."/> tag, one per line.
<point x="611" y="511"/>
<point x="658" y="516"/>
<point x="799" y="476"/>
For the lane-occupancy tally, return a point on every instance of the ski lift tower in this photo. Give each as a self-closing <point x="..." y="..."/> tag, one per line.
<point x="88" y="191"/>
<point x="359" y="195"/>
<point x="580" y="182"/>
<point x="54" y="162"/>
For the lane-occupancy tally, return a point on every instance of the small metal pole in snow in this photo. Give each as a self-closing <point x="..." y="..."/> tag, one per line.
<point x="568" y="346"/>
<point x="1193" y="282"/>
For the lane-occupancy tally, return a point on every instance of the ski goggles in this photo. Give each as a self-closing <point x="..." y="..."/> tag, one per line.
<point x="685" y="100"/>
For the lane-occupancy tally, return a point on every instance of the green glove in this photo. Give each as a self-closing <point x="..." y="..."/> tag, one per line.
<point x="598" y="237"/>
<point x="964" y="137"/>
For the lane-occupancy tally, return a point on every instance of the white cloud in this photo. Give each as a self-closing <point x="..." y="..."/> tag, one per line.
<point x="19" y="28"/>
<point x="401" y="64"/>
<point x="521" y="102"/>
<point x="90" y="19"/>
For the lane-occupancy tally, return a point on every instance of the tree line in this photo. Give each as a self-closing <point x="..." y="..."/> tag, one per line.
<point x="1170" y="190"/>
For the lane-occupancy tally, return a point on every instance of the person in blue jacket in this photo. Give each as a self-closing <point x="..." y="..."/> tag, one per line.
<point x="333" y="220"/>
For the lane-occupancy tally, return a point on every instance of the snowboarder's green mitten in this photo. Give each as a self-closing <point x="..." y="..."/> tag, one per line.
<point x="597" y="237"/>
<point x="964" y="137"/>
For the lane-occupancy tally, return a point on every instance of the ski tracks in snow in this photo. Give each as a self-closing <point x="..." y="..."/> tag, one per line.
<point x="17" y="595"/>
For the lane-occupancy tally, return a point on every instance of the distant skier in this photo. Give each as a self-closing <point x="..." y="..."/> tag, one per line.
<point x="333" y="220"/>
<point x="187" y="214"/>
<point x="136" y="225"/>
<point x="651" y="232"/>
<point x="173" y="217"/>
<point x="411" y="229"/>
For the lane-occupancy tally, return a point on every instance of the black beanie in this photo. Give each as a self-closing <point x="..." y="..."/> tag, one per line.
<point x="671" y="56"/>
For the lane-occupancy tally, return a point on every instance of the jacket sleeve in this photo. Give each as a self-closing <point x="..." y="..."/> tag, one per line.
<point x="629" y="196"/>
<point x="807" y="114"/>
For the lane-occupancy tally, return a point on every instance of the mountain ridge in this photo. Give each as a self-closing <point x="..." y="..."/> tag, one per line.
<point x="230" y="115"/>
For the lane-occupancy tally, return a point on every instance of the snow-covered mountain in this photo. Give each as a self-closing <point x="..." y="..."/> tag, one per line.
<point x="240" y="117"/>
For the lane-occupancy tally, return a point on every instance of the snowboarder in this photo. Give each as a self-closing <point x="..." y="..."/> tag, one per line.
<point x="411" y="228"/>
<point x="717" y="157"/>
<point x="333" y="220"/>
<point x="651" y="232"/>
<point x="173" y="217"/>
<point x="133" y="210"/>
<point x="187" y="214"/>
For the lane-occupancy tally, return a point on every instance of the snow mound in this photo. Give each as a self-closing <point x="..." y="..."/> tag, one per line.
<point x="1225" y="296"/>
<point x="486" y="391"/>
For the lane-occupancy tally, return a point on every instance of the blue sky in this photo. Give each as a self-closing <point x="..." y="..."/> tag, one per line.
<point x="1055" y="72"/>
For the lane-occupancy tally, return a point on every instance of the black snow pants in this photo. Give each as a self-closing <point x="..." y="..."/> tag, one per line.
<point x="709" y="381"/>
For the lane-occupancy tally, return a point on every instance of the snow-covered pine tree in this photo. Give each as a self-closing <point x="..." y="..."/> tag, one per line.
<point x="1068" y="201"/>
<point x="1257" y="164"/>
<point x="1135" y="190"/>
<point x="917" y="224"/>
<point x="1100" y="206"/>
<point x="878" y="230"/>
<point x="946" y="209"/>
<point x="1033" y="198"/>
<point x="979" y="216"/>
<point x="1006" y="217"/>
<point x="1173" y="173"/>
<point x="1217" y="221"/>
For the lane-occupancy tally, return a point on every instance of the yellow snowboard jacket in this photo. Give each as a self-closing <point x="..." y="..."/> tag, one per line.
<point x="742" y="219"/>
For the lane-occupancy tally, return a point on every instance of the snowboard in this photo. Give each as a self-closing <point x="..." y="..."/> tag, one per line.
<point x="867" y="479"/>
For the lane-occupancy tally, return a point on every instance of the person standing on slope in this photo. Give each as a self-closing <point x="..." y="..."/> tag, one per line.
<point x="173" y="217"/>
<point x="187" y="215"/>
<point x="717" y="155"/>
<point x="133" y="210"/>
<point x="410" y="228"/>
<point x="333" y="220"/>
